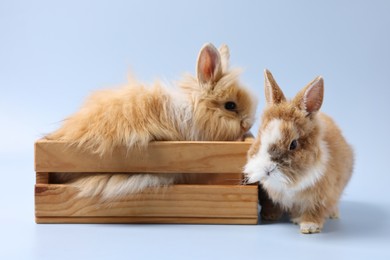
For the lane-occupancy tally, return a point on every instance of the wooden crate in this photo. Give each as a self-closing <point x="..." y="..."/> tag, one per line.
<point x="216" y="198"/>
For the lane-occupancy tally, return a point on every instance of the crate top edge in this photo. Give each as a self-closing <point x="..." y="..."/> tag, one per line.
<point x="251" y="186"/>
<point x="161" y="143"/>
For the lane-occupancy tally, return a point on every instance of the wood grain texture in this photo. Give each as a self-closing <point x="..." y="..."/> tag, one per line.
<point x="173" y="204"/>
<point x="214" y="198"/>
<point x="144" y="220"/>
<point x="42" y="177"/>
<point x="163" y="157"/>
<point x="217" y="179"/>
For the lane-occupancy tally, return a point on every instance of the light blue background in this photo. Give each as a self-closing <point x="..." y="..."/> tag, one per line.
<point x="53" y="53"/>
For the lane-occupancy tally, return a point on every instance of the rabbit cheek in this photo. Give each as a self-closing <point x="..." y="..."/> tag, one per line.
<point x="232" y="129"/>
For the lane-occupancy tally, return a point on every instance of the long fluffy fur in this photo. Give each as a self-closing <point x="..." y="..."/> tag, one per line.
<point x="308" y="180"/>
<point x="135" y="115"/>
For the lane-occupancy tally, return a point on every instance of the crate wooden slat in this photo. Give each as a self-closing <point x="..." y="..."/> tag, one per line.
<point x="144" y="220"/>
<point x="187" y="157"/>
<point x="204" y="202"/>
<point x="175" y="204"/>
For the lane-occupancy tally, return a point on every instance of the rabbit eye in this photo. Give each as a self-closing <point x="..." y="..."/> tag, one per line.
<point x="293" y="145"/>
<point x="230" y="106"/>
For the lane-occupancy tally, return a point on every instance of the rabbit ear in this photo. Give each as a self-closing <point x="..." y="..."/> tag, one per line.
<point x="310" y="97"/>
<point x="209" y="67"/>
<point x="225" y="57"/>
<point x="273" y="93"/>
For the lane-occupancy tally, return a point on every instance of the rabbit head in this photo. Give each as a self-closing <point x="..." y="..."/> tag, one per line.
<point x="289" y="140"/>
<point x="222" y="108"/>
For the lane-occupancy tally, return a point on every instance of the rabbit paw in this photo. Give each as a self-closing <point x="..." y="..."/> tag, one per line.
<point x="334" y="214"/>
<point x="271" y="216"/>
<point x="309" y="228"/>
<point x="296" y="220"/>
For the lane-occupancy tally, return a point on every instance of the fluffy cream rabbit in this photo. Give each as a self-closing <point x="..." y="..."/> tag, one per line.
<point x="213" y="106"/>
<point x="300" y="157"/>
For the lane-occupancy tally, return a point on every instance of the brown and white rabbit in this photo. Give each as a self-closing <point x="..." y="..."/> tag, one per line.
<point x="213" y="106"/>
<point x="300" y="157"/>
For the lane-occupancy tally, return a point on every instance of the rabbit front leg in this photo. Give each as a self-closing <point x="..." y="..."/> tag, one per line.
<point x="311" y="221"/>
<point x="295" y="219"/>
<point x="334" y="213"/>
<point x="270" y="211"/>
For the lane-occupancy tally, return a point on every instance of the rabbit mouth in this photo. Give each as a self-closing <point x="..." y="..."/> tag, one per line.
<point x="245" y="129"/>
